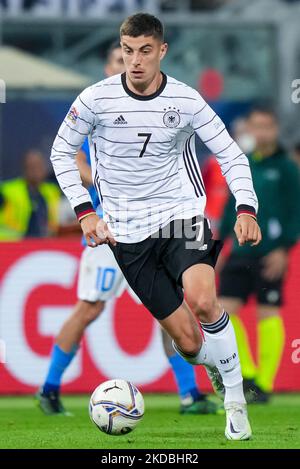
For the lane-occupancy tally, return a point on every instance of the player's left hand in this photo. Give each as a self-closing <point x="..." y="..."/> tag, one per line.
<point x="247" y="230"/>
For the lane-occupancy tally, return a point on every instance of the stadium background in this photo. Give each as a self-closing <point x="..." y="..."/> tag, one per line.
<point x="235" y="53"/>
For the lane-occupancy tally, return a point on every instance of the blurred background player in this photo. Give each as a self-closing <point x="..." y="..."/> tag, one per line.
<point x="96" y="267"/>
<point x="29" y="204"/>
<point x="261" y="272"/>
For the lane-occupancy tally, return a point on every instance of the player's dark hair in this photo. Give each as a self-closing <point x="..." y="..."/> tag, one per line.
<point x="263" y="109"/>
<point x="142" y="24"/>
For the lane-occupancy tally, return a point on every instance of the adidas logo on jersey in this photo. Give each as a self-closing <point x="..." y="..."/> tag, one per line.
<point x="120" y="120"/>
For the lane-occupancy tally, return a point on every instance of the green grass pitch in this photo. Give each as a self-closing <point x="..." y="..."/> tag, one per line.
<point x="22" y="425"/>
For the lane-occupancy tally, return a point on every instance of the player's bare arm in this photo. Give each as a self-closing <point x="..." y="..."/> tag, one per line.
<point x="247" y="230"/>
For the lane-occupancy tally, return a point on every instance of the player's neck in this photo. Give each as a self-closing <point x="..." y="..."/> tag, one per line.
<point x="147" y="88"/>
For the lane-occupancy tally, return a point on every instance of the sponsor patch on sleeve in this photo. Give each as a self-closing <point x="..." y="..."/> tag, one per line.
<point x="73" y="115"/>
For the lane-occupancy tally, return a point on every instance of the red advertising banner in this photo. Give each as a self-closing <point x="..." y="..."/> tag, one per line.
<point x="37" y="292"/>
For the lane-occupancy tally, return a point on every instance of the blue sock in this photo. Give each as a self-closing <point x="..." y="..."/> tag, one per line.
<point x="185" y="377"/>
<point x="60" y="360"/>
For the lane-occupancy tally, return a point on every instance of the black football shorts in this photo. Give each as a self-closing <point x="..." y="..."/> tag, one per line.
<point x="153" y="267"/>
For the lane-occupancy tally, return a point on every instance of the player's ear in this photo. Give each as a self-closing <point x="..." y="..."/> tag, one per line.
<point x="163" y="50"/>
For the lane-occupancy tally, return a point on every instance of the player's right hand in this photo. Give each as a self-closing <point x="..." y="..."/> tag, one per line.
<point x="89" y="227"/>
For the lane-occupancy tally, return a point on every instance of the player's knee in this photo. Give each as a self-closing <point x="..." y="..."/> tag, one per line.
<point x="205" y="307"/>
<point x="189" y="342"/>
<point x="189" y="347"/>
<point x="91" y="311"/>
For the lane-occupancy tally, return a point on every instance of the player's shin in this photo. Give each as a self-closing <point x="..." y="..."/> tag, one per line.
<point x="221" y="342"/>
<point x="204" y="357"/>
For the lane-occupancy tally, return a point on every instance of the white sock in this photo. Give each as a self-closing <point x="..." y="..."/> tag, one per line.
<point x="221" y="341"/>
<point x="203" y="357"/>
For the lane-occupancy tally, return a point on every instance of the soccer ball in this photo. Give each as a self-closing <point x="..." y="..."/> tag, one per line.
<point x="116" y="407"/>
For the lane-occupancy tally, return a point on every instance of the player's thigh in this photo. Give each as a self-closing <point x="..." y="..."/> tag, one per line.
<point x="269" y="294"/>
<point x="100" y="277"/>
<point x="236" y="283"/>
<point x="200" y="291"/>
<point x="190" y="256"/>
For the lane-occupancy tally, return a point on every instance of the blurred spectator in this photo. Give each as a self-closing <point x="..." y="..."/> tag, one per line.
<point x="261" y="270"/>
<point x="29" y="205"/>
<point x="242" y="134"/>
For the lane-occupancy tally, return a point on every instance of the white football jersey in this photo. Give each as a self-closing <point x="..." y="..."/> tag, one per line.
<point x="143" y="157"/>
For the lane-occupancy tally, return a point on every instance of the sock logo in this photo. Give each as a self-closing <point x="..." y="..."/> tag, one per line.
<point x="227" y="360"/>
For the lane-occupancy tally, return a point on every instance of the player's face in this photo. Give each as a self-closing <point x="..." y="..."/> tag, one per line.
<point x="142" y="56"/>
<point x="264" y="129"/>
<point x="115" y="63"/>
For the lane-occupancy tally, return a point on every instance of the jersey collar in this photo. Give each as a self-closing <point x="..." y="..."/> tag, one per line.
<point x="144" y="97"/>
